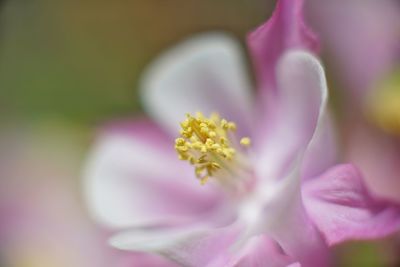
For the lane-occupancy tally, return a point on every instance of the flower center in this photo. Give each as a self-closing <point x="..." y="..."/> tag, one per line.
<point x="211" y="146"/>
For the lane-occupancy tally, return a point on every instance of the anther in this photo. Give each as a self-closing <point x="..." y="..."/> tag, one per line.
<point x="205" y="143"/>
<point x="245" y="141"/>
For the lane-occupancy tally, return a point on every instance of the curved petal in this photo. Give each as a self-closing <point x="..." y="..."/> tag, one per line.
<point x="285" y="30"/>
<point x="194" y="246"/>
<point x="277" y="210"/>
<point x="133" y="178"/>
<point x="262" y="252"/>
<point x="205" y="247"/>
<point x="205" y="73"/>
<point x="300" y="108"/>
<point x="322" y="151"/>
<point x="342" y="209"/>
<point x="277" y="207"/>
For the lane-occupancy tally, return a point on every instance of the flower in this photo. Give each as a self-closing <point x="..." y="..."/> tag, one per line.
<point x="270" y="196"/>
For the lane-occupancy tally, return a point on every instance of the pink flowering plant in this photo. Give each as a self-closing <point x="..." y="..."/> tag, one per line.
<point x="218" y="177"/>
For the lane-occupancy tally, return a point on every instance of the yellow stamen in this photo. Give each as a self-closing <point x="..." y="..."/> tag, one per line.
<point x="245" y="141"/>
<point x="206" y="143"/>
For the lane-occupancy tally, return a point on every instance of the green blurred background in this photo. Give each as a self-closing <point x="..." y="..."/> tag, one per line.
<point x="80" y="60"/>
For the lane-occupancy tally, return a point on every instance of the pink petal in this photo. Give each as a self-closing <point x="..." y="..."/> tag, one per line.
<point x="194" y="246"/>
<point x="285" y="30"/>
<point x="322" y="151"/>
<point x="262" y="252"/>
<point x="206" y="73"/>
<point x="134" y="178"/>
<point x="276" y="209"/>
<point x="144" y="260"/>
<point x="378" y="157"/>
<point x="342" y="209"/>
<point x="292" y="228"/>
<point x="42" y="222"/>
<point x="300" y="108"/>
<point x="361" y="37"/>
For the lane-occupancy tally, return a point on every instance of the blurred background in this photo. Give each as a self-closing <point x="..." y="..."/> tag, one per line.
<point x="68" y="66"/>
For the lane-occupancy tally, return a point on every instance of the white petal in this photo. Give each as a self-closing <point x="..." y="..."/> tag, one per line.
<point x="277" y="207"/>
<point x="153" y="240"/>
<point x="195" y="246"/>
<point x="135" y="179"/>
<point x="205" y="73"/>
<point x="322" y="152"/>
<point x="301" y="105"/>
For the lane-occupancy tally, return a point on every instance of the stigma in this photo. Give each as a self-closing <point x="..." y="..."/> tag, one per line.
<point x="210" y="144"/>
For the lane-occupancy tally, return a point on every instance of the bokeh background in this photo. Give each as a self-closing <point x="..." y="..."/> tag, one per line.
<point x="67" y="66"/>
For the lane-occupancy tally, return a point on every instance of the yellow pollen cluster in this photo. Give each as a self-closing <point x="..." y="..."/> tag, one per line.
<point x="245" y="141"/>
<point x="206" y="144"/>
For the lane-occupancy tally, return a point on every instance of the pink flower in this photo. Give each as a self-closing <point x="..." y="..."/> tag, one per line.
<point x="277" y="202"/>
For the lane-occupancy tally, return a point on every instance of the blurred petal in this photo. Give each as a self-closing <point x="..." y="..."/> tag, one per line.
<point x="205" y="73"/>
<point x="144" y="260"/>
<point x="378" y="157"/>
<point x="42" y="221"/>
<point x="276" y="209"/>
<point x="134" y="178"/>
<point x="285" y="30"/>
<point x="301" y="105"/>
<point x="322" y="151"/>
<point x="193" y="246"/>
<point x="262" y="252"/>
<point x="342" y="209"/>
<point x="291" y="226"/>
<point x="302" y="100"/>
<point x="362" y="36"/>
